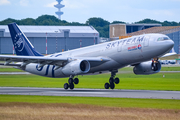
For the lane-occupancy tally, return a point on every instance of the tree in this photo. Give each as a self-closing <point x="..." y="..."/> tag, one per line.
<point x="97" y="22"/>
<point x="101" y="25"/>
<point x="47" y="20"/>
<point x="28" y="21"/>
<point x="167" y="23"/>
<point x="118" y="22"/>
<point x="149" y="21"/>
<point x="8" y="21"/>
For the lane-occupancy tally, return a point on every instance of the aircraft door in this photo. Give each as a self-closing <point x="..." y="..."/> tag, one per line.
<point x="119" y="48"/>
<point x="146" y="41"/>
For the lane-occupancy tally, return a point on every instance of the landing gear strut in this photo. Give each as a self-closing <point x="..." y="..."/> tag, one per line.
<point x="112" y="80"/>
<point x="71" y="83"/>
<point x="155" y="64"/>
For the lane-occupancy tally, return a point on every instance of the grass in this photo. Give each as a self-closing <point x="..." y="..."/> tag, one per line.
<point x="10" y="69"/>
<point x="33" y="111"/>
<point x="108" y="102"/>
<point x="58" y="107"/>
<point x="128" y="81"/>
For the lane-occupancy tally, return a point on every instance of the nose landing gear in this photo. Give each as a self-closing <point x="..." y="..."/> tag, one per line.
<point x="155" y="64"/>
<point x="112" y="80"/>
<point x="71" y="83"/>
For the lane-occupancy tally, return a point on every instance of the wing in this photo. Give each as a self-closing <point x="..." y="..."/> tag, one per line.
<point x="46" y="60"/>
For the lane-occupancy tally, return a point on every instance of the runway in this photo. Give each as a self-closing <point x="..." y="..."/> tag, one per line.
<point x="90" y="93"/>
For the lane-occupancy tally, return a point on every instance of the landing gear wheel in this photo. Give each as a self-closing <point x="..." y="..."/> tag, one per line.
<point x="71" y="86"/>
<point x="106" y="85"/>
<point x="111" y="80"/>
<point x="116" y="80"/>
<point x="66" y="85"/>
<point x="112" y="85"/>
<point x="76" y="81"/>
<point x="70" y="81"/>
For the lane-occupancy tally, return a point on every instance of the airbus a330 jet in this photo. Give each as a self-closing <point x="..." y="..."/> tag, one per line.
<point x="142" y="52"/>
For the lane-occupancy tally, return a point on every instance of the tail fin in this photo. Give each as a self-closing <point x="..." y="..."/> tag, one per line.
<point x="21" y="43"/>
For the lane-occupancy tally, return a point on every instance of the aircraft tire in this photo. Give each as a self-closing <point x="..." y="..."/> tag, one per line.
<point x="106" y="85"/>
<point x="71" y="86"/>
<point x="76" y="81"/>
<point x="66" y="86"/>
<point x="117" y="80"/>
<point x="70" y="81"/>
<point x="111" y="80"/>
<point x="112" y="86"/>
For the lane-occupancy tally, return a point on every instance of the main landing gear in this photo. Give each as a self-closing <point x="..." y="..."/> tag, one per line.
<point x="71" y="83"/>
<point x="112" y="80"/>
<point x="111" y="84"/>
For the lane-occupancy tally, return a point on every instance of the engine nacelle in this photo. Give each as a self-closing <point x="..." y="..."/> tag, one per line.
<point x="76" y="67"/>
<point x="147" y="68"/>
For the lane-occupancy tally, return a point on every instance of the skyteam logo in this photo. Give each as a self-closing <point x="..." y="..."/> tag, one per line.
<point x="139" y="47"/>
<point x="19" y="42"/>
<point x="39" y="69"/>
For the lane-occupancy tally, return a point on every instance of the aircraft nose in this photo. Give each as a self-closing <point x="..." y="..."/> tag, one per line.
<point x="164" y="46"/>
<point x="170" y="44"/>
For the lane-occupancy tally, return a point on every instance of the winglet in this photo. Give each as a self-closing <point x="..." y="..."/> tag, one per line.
<point x="21" y="43"/>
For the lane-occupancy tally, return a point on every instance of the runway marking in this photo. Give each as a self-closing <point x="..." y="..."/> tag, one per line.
<point x="91" y="93"/>
<point x="70" y="92"/>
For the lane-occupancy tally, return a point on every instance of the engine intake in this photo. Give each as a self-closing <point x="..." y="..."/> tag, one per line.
<point x="76" y="67"/>
<point x="147" y="68"/>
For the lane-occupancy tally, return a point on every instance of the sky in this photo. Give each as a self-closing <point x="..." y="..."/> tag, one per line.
<point x="81" y="10"/>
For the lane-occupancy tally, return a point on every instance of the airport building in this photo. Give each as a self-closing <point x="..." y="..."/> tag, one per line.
<point x="117" y="30"/>
<point x="58" y="38"/>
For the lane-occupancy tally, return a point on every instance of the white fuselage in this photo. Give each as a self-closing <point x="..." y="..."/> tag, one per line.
<point x="122" y="52"/>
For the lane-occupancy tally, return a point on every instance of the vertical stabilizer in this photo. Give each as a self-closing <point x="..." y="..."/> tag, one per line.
<point x="21" y="43"/>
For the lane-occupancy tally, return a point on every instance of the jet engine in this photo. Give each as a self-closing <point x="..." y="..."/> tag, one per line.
<point x="76" y="67"/>
<point x="147" y="68"/>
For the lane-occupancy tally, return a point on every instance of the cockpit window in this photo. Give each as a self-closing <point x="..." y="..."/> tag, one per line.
<point x="163" y="38"/>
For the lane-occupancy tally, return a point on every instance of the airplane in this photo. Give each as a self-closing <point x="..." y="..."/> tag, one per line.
<point x="142" y="52"/>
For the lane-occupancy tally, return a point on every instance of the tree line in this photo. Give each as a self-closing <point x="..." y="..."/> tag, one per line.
<point x="101" y="25"/>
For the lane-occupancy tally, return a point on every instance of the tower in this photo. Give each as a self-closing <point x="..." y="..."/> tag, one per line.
<point x="59" y="6"/>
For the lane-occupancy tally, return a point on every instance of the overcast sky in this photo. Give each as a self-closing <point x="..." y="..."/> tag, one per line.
<point x="81" y="10"/>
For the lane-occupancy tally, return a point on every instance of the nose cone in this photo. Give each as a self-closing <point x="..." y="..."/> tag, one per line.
<point x="167" y="45"/>
<point x="170" y="44"/>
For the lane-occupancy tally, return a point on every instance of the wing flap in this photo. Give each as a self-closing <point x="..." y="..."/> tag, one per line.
<point x="31" y="59"/>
